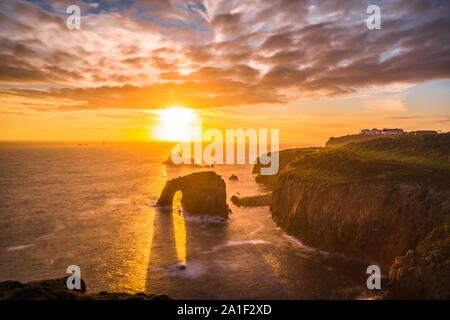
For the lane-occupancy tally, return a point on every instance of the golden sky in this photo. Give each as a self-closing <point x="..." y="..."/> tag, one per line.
<point x="309" y="68"/>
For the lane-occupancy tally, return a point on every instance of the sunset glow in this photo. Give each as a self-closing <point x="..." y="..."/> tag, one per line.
<point x="176" y="124"/>
<point x="281" y="64"/>
<point x="235" y="151"/>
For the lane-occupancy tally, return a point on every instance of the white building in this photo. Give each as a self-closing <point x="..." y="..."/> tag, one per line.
<point x="393" y="131"/>
<point x="373" y="131"/>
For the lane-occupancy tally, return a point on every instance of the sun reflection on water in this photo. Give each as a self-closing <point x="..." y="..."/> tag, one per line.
<point x="179" y="229"/>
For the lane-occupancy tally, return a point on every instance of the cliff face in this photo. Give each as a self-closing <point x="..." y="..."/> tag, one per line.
<point x="377" y="219"/>
<point x="285" y="157"/>
<point x="423" y="273"/>
<point x="379" y="200"/>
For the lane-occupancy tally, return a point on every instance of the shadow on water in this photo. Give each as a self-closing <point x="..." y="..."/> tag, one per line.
<point x="177" y="265"/>
<point x="246" y="257"/>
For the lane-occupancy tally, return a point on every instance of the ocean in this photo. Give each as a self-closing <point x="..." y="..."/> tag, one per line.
<point x="93" y="205"/>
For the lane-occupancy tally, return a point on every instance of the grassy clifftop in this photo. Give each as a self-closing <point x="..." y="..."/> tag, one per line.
<point x="375" y="199"/>
<point x="424" y="159"/>
<point x="285" y="157"/>
<point x="335" y="142"/>
<point x="420" y="158"/>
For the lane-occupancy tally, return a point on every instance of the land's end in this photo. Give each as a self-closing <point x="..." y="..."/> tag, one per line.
<point x="375" y="199"/>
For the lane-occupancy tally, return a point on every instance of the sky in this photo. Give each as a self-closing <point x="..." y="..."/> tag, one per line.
<point x="310" y="68"/>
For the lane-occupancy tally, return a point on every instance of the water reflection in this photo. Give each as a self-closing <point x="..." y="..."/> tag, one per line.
<point x="179" y="228"/>
<point x="180" y="255"/>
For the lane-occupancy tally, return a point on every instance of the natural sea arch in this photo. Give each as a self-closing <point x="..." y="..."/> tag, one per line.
<point x="203" y="193"/>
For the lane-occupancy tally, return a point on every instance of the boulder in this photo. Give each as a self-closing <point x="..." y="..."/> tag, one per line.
<point x="254" y="201"/>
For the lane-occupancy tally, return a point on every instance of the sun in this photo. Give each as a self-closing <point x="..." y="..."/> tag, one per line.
<point x="176" y="124"/>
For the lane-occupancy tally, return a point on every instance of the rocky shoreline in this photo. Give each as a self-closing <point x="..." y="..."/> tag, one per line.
<point x="383" y="200"/>
<point x="56" y="289"/>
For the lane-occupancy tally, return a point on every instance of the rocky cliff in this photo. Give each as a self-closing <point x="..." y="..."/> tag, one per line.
<point x="423" y="273"/>
<point x="377" y="200"/>
<point x="285" y="157"/>
<point x="378" y="219"/>
<point x="203" y="193"/>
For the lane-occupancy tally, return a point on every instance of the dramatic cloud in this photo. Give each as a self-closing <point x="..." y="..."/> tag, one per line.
<point x="153" y="53"/>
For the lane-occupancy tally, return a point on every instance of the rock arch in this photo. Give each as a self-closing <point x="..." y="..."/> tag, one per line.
<point x="203" y="193"/>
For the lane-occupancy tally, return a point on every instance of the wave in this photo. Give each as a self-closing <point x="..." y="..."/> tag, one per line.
<point x="256" y="231"/>
<point x="21" y="247"/>
<point x="193" y="218"/>
<point x="300" y="244"/>
<point x="192" y="270"/>
<point x="232" y="243"/>
<point x="57" y="228"/>
<point x="118" y="201"/>
<point x="204" y="219"/>
<point x="341" y="255"/>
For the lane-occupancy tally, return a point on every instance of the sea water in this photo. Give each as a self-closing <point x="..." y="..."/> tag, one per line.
<point x="93" y="205"/>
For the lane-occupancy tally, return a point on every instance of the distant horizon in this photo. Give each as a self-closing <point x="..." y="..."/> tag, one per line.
<point x="145" y="70"/>
<point x="313" y="144"/>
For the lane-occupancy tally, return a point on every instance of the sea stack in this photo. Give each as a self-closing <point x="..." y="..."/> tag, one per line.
<point x="204" y="193"/>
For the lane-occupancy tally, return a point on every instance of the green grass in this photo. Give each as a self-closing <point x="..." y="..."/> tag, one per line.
<point x="285" y="157"/>
<point x="355" y="138"/>
<point x="438" y="242"/>
<point x="423" y="159"/>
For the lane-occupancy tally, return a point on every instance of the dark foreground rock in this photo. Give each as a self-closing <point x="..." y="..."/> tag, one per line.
<point x="255" y="201"/>
<point x="56" y="289"/>
<point x="423" y="273"/>
<point x="204" y="193"/>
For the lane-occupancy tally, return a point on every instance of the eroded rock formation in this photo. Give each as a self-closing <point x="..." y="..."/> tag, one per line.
<point x="254" y="201"/>
<point x="423" y="273"/>
<point x="378" y="219"/>
<point x="380" y="200"/>
<point x="203" y="193"/>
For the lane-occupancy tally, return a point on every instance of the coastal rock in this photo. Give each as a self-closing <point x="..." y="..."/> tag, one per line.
<point x="423" y="273"/>
<point x="56" y="289"/>
<point x="380" y="200"/>
<point x="254" y="201"/>
<point x="378" y="219"/>
<point x="233" y="178"/>
<point x="204" y="193"/>
<point x="376" y="199"/>
<point x="285" y="157"/>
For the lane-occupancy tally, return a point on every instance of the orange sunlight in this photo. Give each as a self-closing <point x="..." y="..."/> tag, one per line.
<point x="176" y="124"/>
